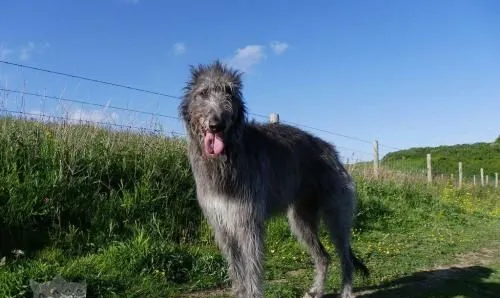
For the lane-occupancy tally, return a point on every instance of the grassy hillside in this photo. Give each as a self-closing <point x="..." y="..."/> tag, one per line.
<point x="119" y="210"/>
<point x="445" y="158"/>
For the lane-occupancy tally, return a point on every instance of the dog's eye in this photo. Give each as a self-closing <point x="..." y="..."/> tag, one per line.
<point x="204" y="93"/>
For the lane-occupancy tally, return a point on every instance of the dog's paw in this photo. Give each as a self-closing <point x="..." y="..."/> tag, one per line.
<point x="310" y="294"/>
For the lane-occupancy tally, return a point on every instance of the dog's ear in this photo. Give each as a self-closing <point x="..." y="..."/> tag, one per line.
<point x="184" y="109"/>
<point x="195" y="72"/>
<point x="240" y="115"/>
<point x="184" y="104"/>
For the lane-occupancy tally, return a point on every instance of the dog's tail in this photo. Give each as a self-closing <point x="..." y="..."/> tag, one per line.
<point x="358" y="264"/>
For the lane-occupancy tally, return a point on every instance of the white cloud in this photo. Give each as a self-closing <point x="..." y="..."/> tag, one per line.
<point x="77" y="115"/>
<point x="5" y="53"/>
<point x="26" y="51"/>
<point x="278" y="47"/>
<point x="179" y="48"/>
<point x="101" y="116"/>
<point x="35" y="113"/>
<point x="40" y="116"/>
<point x="245" y="58"/>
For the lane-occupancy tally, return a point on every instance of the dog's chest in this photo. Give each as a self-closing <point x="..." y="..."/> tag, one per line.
<point x="222" y="211"/>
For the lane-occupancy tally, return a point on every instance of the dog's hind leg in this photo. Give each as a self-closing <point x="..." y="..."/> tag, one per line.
<point x="304" y="223"/>
<point x="338" y="217"/>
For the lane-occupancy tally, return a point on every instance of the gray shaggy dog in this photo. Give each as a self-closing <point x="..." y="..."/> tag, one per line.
<point x="246" y="172"/>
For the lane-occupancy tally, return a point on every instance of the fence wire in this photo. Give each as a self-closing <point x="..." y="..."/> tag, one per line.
<point x="358" y="160"/>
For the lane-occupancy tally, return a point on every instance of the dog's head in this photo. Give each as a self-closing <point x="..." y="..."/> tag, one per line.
<point x="212" y="106"/>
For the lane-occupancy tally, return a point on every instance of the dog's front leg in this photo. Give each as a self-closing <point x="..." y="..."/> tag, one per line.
<point x="250" y="241"/>
<point x="228" y="243"/>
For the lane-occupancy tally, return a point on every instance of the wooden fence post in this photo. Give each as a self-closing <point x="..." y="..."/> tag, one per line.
<point x="482" y="177"/>
<point x="375" y="159"/>
<point x="460" y="175"/>
<point x="429" y="169"/>
<point x="487" y="180"/>
<point x="496" y="180"/>
<point x="274" y="118"/>
<point x="474" y="177"/>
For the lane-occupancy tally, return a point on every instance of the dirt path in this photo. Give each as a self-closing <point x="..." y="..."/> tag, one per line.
<point x="468" y="263"/>
<point x="473" y="263"/>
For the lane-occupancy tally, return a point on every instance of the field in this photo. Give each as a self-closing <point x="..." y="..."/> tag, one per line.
<point x="118" y="210"/>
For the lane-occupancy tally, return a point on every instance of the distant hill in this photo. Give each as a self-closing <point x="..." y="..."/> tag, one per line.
<point x="445" y="158"/>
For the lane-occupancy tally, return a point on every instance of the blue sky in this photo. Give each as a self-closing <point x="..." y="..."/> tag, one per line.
<point x="408" y="73"/>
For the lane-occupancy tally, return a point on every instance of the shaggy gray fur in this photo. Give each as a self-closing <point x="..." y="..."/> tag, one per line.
<point x="263" y="170"/>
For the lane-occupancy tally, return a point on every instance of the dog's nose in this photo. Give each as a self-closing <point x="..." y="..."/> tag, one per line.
<point x="216" y="125"/>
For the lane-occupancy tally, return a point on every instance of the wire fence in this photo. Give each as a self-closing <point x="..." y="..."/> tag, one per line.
<point x="23" y="102"/>
<point x="107" y="113"/>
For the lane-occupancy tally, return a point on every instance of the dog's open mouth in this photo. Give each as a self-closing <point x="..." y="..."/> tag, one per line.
<point x="214" y="144"/>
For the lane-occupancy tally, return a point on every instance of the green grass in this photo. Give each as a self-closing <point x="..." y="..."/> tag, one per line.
<point x="119" y="210"/>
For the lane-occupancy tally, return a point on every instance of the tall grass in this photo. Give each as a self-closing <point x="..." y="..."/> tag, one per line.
<point x="88" y="183"/>
<point x="118" y="209"/>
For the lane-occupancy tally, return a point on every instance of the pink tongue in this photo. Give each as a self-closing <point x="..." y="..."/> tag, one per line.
<point x="213" y="144"/>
